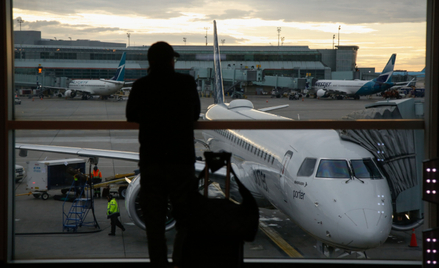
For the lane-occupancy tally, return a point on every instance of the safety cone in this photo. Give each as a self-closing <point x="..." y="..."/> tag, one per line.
<point x="413" y="242"/>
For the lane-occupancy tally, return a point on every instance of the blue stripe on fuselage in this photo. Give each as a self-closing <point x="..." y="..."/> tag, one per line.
<point x="372" y="87"/>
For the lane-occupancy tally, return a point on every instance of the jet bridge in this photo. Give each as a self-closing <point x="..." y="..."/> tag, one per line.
<point x="250" y="77"/>
<point x="399" y="154"/>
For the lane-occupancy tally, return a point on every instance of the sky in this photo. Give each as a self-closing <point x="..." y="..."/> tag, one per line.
<point x="379" y="27"/>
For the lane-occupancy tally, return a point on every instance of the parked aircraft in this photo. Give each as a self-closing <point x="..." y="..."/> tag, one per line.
<point x="420" y="74"/>
<point x="329" y="187"/>
<point x="103" y="87"/>
<point x="357" y="88"/>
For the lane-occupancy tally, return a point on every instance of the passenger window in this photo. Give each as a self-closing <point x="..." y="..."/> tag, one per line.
<point x="307" y="167"/>
<point x="365" y="168"/>
<point x="333" y="169"/>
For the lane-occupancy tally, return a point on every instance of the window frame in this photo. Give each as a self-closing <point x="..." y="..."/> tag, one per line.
<point x="8" y="126"/>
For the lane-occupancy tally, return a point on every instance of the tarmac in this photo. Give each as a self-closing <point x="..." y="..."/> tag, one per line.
<point x="39" y="235"/>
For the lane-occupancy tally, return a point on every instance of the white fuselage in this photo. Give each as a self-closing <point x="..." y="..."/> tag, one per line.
<point x="342" y="212"/>
<point x="348" y="86"/>
<point x="95" y="87"/>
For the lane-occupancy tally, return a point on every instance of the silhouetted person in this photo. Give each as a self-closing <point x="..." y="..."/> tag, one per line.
<point x="165" y="104"/>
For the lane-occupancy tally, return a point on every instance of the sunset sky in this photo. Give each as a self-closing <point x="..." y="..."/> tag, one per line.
<point x="378" y="27"/>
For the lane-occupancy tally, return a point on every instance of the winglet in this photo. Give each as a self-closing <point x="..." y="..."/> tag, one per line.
<point x="120" y="72"/>
<point x="218" y="94"/>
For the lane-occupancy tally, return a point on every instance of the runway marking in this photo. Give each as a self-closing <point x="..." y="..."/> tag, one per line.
<point x="278" y="240"/>
<point x="271" y="233"/>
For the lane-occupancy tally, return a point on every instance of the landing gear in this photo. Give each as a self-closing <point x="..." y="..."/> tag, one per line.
<point x="332" y="252"/>
<point x="86" y="97"/>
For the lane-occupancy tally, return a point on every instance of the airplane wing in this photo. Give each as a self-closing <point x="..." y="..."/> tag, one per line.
<point x="219" y="175"/>
<point x="113" y="82"/>
<point x="398" y="85"/>
<point x="83" y="152"/>
<point x="273" y="108"/>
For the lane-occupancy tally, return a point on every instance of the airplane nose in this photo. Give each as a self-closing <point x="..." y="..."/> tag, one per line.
<point x="371" y="228"/>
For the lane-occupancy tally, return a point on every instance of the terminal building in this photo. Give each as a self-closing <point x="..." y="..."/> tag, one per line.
<point x="254" y="68"/>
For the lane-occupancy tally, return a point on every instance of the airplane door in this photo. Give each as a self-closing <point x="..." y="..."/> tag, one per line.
<point x="283" y="172"/>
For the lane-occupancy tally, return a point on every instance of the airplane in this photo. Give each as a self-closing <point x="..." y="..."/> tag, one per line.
<point x="331" y="188"/>
<point x="420" y="74"/>
<point x="103" y="87"/>
<point x="357" y="88"/>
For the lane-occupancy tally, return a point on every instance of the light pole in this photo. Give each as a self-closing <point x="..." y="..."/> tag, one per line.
<point x="223" y="41"/>
<point x="184" y="40"/>
<point x="129" y="35"/>
<point x="339" y="27"/>
<point x="333" y="40"/>
<point x="19" y="20"/>
<point x="206" y="28"/>
<point x="278" y="36"/>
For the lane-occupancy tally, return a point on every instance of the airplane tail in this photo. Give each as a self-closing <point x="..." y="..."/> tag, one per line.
<point x="218" y="91"/>
<point x="120" y="72"/>
<point x="386" y="74"/>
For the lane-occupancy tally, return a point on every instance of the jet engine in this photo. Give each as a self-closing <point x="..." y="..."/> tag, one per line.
<point x="70" y="93"/>
<point x="322" y="93"/>
<point x="132" y="205"/>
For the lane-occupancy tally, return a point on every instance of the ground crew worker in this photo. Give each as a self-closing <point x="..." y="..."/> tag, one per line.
<point x="113" y="214"/>
<point x="96" y="177"/>
<point x="79" y="179"/>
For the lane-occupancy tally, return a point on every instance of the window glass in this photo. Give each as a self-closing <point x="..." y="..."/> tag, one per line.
<point x="365" y="168"/>
<point x="338" y="169"/>
<point x="264" y="49"/>
<point x="307" y="167"/>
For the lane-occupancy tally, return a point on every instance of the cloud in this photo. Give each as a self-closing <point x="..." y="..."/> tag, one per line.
<point x="230" y="14"/>
<point x="334" y="11"/>
<point x="152" y="9"/>
<point x="342" y="11"/>
<point x="377" y="26"/>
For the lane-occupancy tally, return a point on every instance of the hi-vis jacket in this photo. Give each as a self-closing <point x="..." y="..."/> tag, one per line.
<point x="112" y="207"/>
<point x="96" y="174"/>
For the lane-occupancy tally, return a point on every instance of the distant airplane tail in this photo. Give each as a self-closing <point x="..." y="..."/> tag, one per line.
<point x="218" y="91"/>
<point x="386" y="74"/>
<point x="120" y="72"/>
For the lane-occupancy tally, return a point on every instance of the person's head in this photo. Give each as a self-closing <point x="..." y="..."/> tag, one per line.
<point x="95" y="168"/>
<point x="161" y="54"/>
<point x="109" y="197"/>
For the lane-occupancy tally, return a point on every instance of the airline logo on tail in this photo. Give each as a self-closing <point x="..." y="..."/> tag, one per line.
<point x="120" y="72"/>
<point x="386" y="74"/>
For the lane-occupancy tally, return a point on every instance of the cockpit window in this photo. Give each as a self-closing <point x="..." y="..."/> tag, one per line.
<point x="307" y="167"/>
<point x="333" y="169"/>
<point x="365" y="168"/>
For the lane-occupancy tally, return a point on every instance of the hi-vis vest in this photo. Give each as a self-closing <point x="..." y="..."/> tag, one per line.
<point x="97" y="174"/>
<point x="112" y="207"/>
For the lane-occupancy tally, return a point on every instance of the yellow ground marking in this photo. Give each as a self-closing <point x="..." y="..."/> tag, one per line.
<point x="275" y="236"/>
